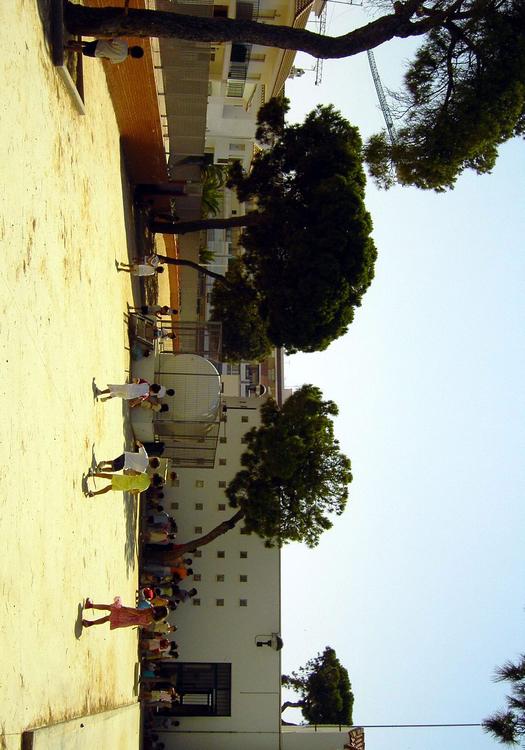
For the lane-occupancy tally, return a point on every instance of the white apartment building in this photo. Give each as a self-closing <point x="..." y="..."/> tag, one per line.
<point x="243" y="77"/>
<point x="229" y="666"/>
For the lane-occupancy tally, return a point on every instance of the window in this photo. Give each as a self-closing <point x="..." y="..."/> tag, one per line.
<point x="221" y="553"/>
<point x="243" y="555"/>
<point x="244" y="419"/>
<point x="219" y="578"/>
<point x="242" y="579"/>
<point x="219" y="602"/>
<point x="240" y="53"/>
<point x="197" y="577"/>
<point x="235" y="89"/>
<point x="238" y="146"/>
<point x="205" y="688"/>
<point x="199" y="483"/>
<point x="197" y="553"/>
<point x="243" y="602"/>
<point x="222" y="462"/>
<point x="174" y="506"/>
<point x="221" y="506"/>
<point x="198" y="530"/>
<point x="223" y="440"/>
<point x="199" y="506"/>
<point x="196" y="602"/>
<point x="244" y="530"/>
<point x="222" y="484"/>
<point x="244" y="10"/>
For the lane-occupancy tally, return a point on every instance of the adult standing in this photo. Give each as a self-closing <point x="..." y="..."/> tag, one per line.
<point x="138" y="461"/>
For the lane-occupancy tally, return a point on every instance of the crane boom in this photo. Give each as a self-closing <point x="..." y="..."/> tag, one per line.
<point x="381" y="96"/>
<point x="319" y="61"/>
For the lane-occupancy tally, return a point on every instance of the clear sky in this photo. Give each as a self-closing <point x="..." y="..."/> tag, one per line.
<point x="420" y="584"/>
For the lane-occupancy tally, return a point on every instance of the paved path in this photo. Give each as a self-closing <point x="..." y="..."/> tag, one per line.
<point x="62" y="303"/>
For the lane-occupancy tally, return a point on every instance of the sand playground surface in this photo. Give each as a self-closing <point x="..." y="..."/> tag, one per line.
<point x="64" y="221"/>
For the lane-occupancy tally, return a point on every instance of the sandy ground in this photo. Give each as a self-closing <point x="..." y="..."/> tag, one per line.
<point x="62" y="323"/>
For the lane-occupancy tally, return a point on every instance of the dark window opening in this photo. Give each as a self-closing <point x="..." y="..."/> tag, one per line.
<point x="204" y="689"/>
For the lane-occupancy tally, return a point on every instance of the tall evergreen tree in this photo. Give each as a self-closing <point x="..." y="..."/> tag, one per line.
<point x="325" y="691"/>
<point x="294" y="478"/>
<point x="508" y="726"/>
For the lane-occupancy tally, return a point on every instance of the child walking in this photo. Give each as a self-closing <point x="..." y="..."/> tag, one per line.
<point x="125" y="617"/>
<point x="134" y="483"/>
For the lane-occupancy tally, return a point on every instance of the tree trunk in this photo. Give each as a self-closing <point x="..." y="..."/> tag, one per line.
<point x="184" y="227"/>
<point x="191" y="264"/>
<point x="166" y="558"/>
<point x="176" y="187"/>
<point x="113" y="22"/>
<point x="291" y="704"/>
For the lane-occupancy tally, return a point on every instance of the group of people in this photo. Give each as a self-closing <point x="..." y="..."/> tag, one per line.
<point x="140" y="473"/>
<point x="136" y="465"/>
<point x="155" y="313"/>
<point x="139" y="392"/>
<point x="161" y="585"/>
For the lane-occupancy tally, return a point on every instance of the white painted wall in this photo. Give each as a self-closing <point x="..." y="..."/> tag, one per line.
<point x="227" y="634"/>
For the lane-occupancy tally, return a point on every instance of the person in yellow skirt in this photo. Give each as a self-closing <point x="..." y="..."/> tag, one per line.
<point x="134" y="483"/>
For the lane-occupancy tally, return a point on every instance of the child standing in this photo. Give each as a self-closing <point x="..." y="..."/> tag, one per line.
<point x="125" y="617"/>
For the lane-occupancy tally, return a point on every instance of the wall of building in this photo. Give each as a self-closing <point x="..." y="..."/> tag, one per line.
<point x="314" y="738"/>
<point x="238" y="600"/>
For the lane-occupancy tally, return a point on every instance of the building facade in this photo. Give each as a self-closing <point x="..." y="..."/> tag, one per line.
<point x="228" y="635"/>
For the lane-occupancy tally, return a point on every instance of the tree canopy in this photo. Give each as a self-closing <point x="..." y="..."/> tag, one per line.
<point x="463" y="95"/>
<point x="464" y="91"/>
<point x="309" y="257"/>
<point x="508" y="726"/>
<point x="294" y="476"/>
<point x="244" y="332"/>
<point x="293" y="479"/>
<point x="325" y="690"/>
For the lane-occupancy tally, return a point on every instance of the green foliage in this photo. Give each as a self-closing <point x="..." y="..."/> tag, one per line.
<point x="325" y="689"/>
<point x="378" y="156"/>
<point x="206" y="255"/>
<point x="309" y="257"/>
<point x="271" y="120"/>
<point x="294" y="476"/>
<point x="213" y="180"/>
<point x="508" y="727"/>
<point x="244" y="335"/>
<point x="464" y="95"/>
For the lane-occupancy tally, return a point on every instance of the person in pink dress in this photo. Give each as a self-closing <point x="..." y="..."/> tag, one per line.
<point x="125" y="617"/>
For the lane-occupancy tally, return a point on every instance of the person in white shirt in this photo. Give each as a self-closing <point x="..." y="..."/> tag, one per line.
<point x="138" y="462"/>
<point x="158" y="310"/>
<point x="115" y="50"/>
<point x="138" y="389"/>
<point x="140" y="269"/>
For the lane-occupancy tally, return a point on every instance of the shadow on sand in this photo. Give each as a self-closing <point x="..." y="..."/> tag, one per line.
<point x="131" y="502"/>
<point x="78" y="622"/>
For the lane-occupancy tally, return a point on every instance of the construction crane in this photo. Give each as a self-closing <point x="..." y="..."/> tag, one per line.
<point x="322" y="30"/>
<point x="381" y="96"/>
<point x="373" y="69"/>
